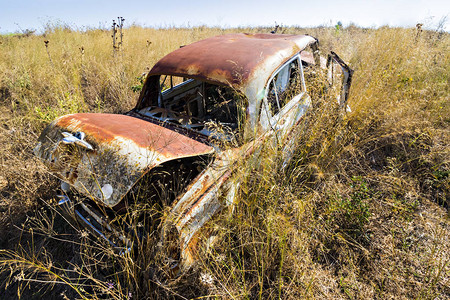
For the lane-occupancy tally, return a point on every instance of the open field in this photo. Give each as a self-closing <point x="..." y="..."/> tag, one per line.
<point x="361" y="212"/>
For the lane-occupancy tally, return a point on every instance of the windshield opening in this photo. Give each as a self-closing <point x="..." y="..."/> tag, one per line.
<point x="195" y="104"/>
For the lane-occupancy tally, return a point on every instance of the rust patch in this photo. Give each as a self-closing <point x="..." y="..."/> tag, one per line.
<point x="104" y="128"/>
<point x="307" y="57"/>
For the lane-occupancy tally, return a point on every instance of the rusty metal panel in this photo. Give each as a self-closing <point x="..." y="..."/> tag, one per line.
<point x="212" y="190"/>
<point x="307" y="57"/>
<point x="200" y="203"/>
<point x="124" y="149"/>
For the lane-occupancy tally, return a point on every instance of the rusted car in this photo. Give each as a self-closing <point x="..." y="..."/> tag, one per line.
<point x="201" y="108"/>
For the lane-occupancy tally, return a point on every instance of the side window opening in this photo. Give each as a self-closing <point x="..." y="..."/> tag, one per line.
<point x="284" y="86"/>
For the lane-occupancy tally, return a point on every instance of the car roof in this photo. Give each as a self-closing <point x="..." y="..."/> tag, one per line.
<point x="236" y="60"/>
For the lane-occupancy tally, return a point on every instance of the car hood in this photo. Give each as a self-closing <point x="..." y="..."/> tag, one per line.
<point x="103" y="155"/>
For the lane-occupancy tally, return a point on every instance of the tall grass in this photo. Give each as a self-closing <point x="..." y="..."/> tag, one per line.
<point x="360" y="211"/>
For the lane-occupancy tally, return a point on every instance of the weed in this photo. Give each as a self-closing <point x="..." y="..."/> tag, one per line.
<point x="117" y="27"/>
<point x="138" y="87"/>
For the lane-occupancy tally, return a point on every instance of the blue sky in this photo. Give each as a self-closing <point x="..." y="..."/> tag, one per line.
<point x="28" y="14"/>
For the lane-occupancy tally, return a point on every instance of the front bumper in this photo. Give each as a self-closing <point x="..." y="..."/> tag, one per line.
<point x="87" y="216"/>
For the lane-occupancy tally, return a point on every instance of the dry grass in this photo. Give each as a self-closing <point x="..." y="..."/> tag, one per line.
<point x="361" y="211"/>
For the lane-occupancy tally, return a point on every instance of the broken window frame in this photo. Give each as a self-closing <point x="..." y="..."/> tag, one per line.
<point x="267" y="117"/>
<point x="274" y="78"/>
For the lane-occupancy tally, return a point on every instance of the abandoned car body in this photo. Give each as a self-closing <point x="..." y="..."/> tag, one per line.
<point x="235" y="89"/>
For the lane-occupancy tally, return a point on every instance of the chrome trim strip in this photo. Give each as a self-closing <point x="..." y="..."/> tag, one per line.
<point x="94" y="228"/>
<point x="65" y="202"/>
